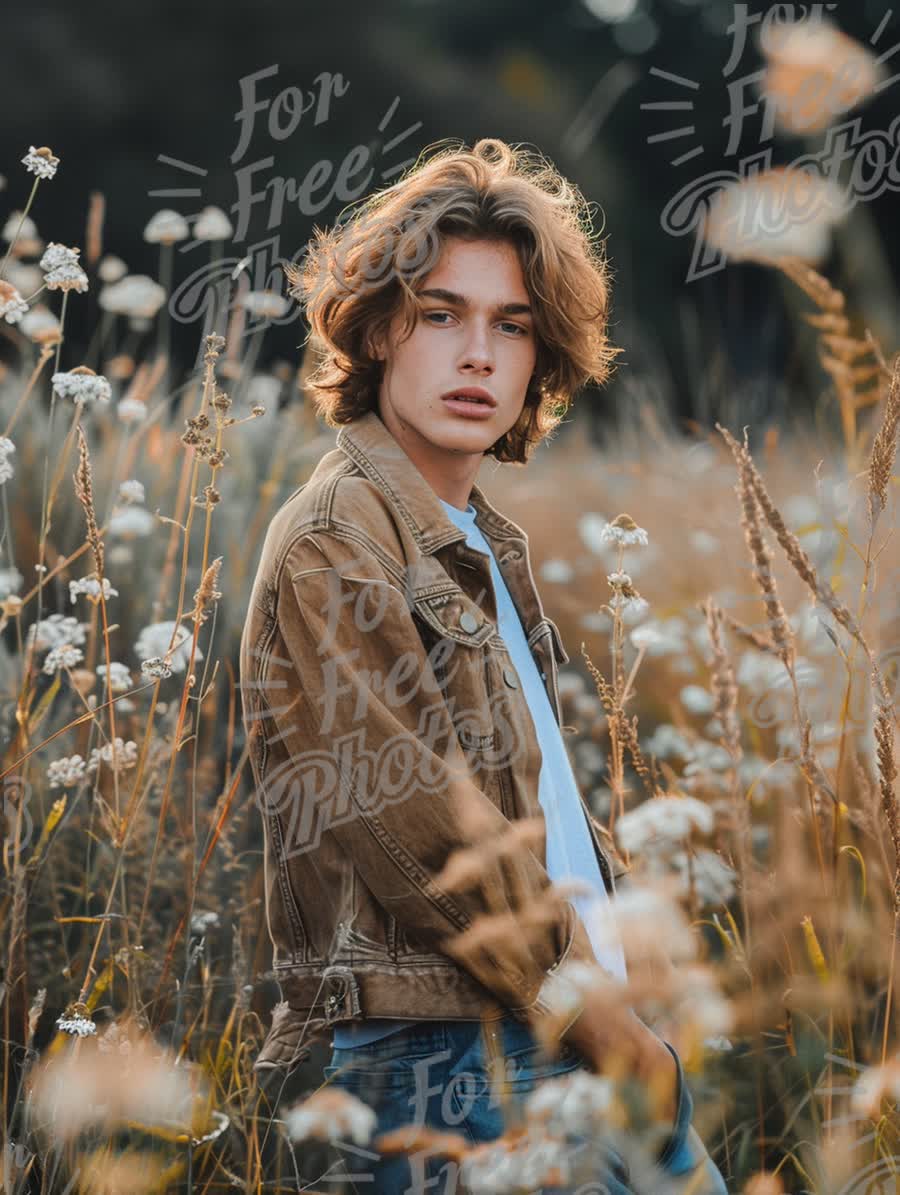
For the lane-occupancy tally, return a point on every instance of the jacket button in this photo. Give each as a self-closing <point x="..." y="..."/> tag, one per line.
<point x="510" y="677"/>
<point x="468" y="622"/>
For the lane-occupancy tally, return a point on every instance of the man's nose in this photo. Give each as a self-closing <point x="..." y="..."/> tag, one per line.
<point x="478" y="350"/>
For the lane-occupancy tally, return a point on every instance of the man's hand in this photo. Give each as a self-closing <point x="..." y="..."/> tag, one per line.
<point x="616" y="1041"/>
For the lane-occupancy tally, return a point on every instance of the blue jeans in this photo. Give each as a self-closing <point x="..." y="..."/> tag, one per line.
<point x="436" y="1074"/>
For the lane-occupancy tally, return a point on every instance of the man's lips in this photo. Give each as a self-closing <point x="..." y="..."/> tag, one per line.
<point x="473" y="394"/>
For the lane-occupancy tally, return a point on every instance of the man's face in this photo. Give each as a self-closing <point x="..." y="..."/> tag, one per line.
<point x="462" y="338"/>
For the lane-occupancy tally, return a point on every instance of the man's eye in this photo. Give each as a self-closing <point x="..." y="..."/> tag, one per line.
<point x="515" y="327"/>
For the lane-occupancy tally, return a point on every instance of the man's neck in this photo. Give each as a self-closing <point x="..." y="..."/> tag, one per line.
<point x="450" y="475"/>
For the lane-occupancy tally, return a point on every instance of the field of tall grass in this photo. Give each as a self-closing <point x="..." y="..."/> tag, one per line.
<point x="731" y="613"/>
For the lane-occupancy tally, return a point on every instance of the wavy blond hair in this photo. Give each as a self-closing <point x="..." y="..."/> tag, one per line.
<point x="354" y="279"/>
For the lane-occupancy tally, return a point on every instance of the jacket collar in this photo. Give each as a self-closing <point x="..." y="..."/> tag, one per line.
<point x="370" y="443"/>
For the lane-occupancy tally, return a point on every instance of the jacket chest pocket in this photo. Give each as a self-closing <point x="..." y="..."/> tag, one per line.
<point x="469" y="673"/>
<point x="547" y="648"/>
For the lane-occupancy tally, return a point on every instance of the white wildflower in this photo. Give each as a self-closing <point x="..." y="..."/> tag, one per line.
<point x="767" y="776"/>
<point x="203" y="922"/>
<point x="40" y="162"/>
<point x="623" y="531"/>
<point x="267" y="304"/>
<point x="697" y="700"/>
<point x="134" y="295"/>
<point x="63" y="656"/>
<point x="119" y="677"/>
<point x="12" y="306"/>
<point x="873" y="1084"/>
<point x="577" y="1103"/>
<point x="166" y="227"/>
<point x="800" y="509"/>
<point x="111" y="268"/>
<point x="55" y="631"/>
<point x="130" y="520"/>
<point x="91" y="587"/>
<point x="7" y="448"/>
<point x="40" y="324"/>
<point x="10" y="580"/>
<point x="109" y="1089"/>
<point x="590" y="527"/>
<point x="26" y="277"/>
<point x="77" y="1024"/>
<point x="212" y="225"/>
<point x="157" y="668"/>
<point x="714" y="728"/>
<point x="662" y="637"/>
<point x="114" y="1041"/>
<point x="56" y="256"/>
<point x="714" y="881"/>
<point x="153" y="641"/>
<point x="65" y="772"/>
<point x="66" y="278"/>
<point x="329" y="1113"/>
<point x="707" y="757"/>
<point x="563" y="990"/>
<point x="619" y="580"/>
<point x="82" y="385"/>
<point x="131" y="410"/>
<point x="125" y="755"/>
<point x="28" y="230"/>
<point x="558" y="572"/>
<point x="264" y="390"/>
<point x="644" y="918"/>
<point x="632" y="608"/>
<point x="131" y="491"/>
<point x="501" y="1169"/>
<point x="666" y="741"/>
<point x="660" y="822"/>
<point x="698" y="1003"/>
<point x="701" y="541"/>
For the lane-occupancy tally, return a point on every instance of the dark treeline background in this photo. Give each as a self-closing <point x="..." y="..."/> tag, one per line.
<point x="115" y="89"/>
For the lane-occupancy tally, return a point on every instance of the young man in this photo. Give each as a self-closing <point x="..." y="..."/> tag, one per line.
<point x="399" y="674"/>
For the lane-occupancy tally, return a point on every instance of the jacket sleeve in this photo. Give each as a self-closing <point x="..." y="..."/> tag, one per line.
<point x="368" y="699"/>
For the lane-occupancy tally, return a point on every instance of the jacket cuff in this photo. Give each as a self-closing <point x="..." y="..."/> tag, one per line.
<point x="559" y="993"/>
<point x="674" y="1155"/>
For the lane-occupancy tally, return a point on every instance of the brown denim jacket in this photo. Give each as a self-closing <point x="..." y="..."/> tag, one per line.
<point x="375" y="690"/>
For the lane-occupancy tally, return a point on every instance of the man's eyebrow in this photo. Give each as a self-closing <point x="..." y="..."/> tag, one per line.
<point x="455" y="300"/>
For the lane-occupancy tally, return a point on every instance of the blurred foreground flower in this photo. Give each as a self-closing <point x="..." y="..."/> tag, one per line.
<point x="89" y="1087"/>
<point x="784" y="212"/>
<point x="329" y="1113"/>
<point x="662" y="822"/>
<point x="133" y="1172"/>
<point x="814" y="73"/>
